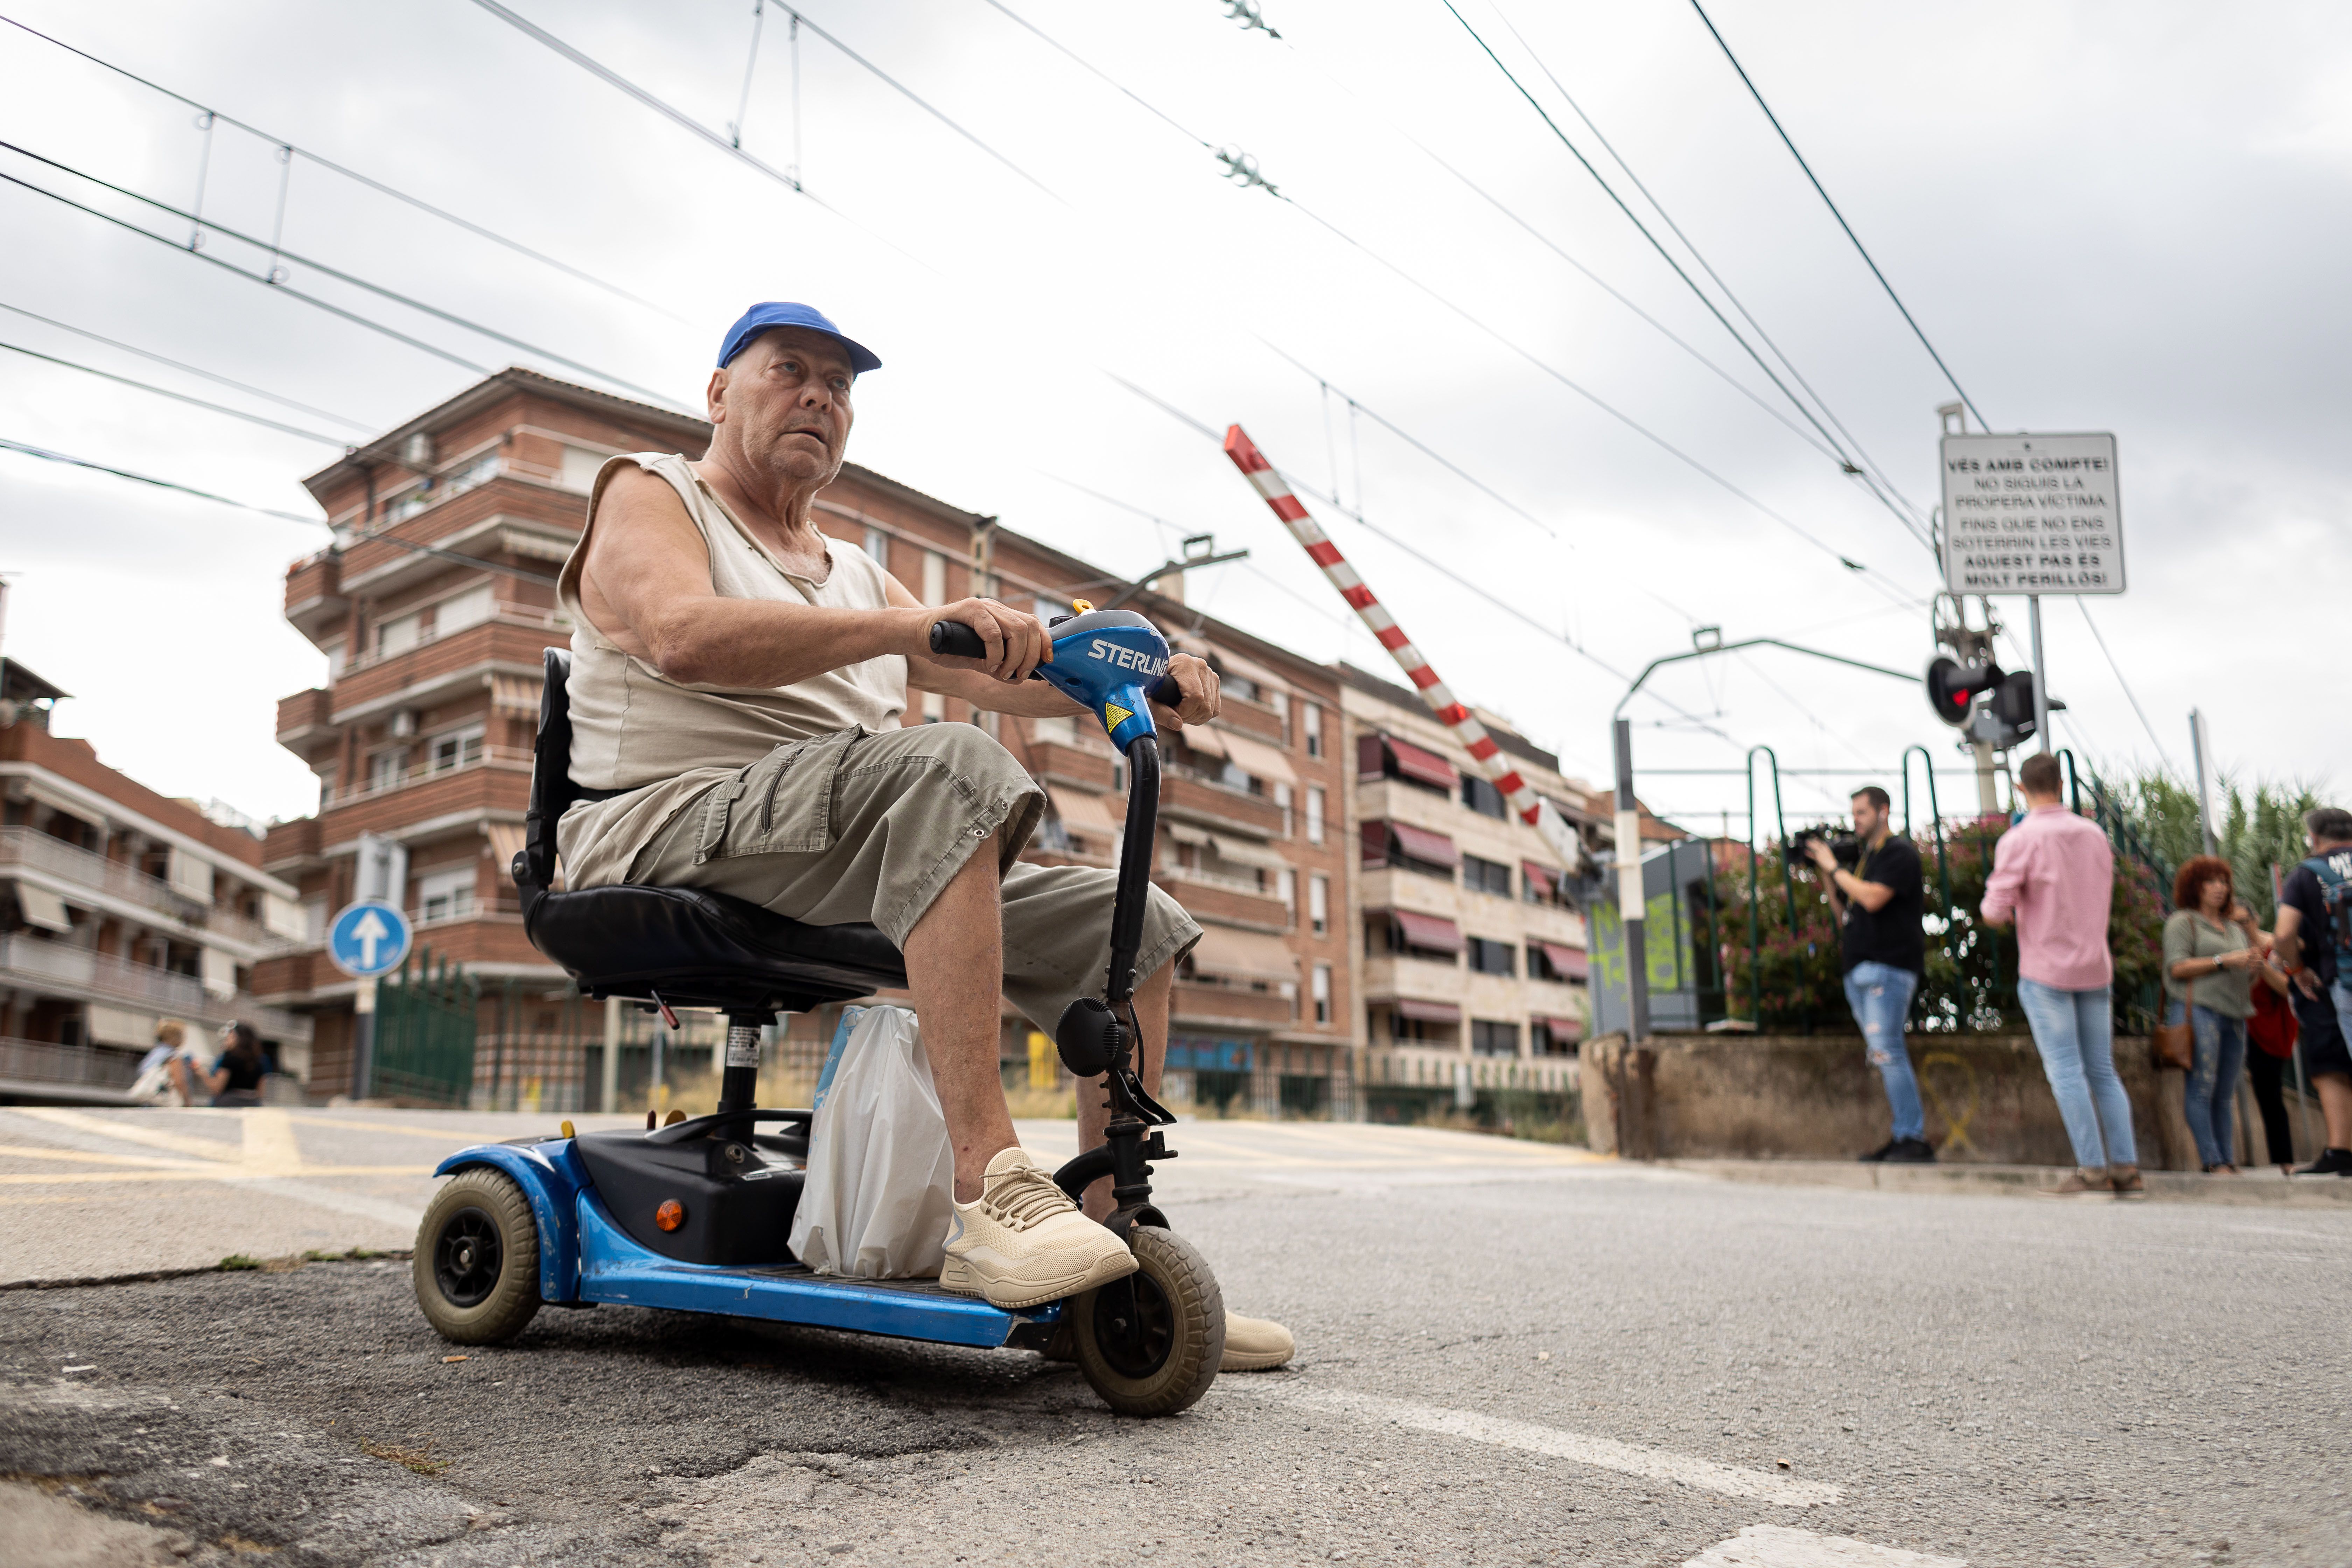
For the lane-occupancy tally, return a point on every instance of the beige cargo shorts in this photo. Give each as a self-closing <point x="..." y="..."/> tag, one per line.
<point x="864" y="825"/>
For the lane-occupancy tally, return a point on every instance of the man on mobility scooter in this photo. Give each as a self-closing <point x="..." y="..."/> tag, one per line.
<point x="735" y="688"/>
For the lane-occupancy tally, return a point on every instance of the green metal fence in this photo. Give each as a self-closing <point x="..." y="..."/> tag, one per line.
<point x="424" y="1022"/>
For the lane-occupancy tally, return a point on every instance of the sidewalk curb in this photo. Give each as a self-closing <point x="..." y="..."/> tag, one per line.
<point x="2256" y="1189"/>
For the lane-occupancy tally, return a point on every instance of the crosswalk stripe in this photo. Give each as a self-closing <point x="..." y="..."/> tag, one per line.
<point x="1779" y="1546"/>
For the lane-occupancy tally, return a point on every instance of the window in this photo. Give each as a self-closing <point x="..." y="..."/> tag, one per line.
<point x="1493" y="1037"/>
<point x="398" y="633"/>
<point x="1554" y="1037"/>
<point x="1321" y="990"/>
<point x="1484" y="798"/>
<point x="1543" y="885"/>
<point x="454" y="750"/>
<point x="1313" y="814"/>
<point x="1286" y="886"/>
<point x="1060" y="730"/>
<point x="1407" y="934"/>
<point x="446" y="895"/>
<point x="1488" y="957"/>
<point x="1408" y="848"/>
<point x="1240" y="686"/>
<point x="877" y="545"/>
<point x="1282" y="800"/>
<point x="1319" y="904"/>
<point x="935" y="577"/>
<point x="458" y="611"/>
<point x="334" y="652"/>
<point x="315" y="915"/>
<point x="1385" y="756"/>
<point x="1485" y="876"/>
<point x="1311" y="721"/>
<point x="577" y="472"/>
<point x="1423" y="1031"/>
<point x="386" y="769"/>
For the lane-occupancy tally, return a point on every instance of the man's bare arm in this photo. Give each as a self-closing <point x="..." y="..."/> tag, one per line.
<point x="2286" y="937"/>
<point x="646" y="586"/>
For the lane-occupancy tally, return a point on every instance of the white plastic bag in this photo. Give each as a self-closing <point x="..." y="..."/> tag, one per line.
<point x="881" y="1175"/>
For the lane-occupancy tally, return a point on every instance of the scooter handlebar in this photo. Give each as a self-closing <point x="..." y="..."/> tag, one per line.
<point x="953" y="640"/>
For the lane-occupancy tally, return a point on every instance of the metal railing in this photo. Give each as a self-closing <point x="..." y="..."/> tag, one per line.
<point x="501" y="614"/>
<point x="31" y="849"/>
<point x="81" y="969"/>
<point x="513" y="758"/>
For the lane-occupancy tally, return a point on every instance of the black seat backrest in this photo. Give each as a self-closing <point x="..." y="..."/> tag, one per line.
<point x="552" y="789"/>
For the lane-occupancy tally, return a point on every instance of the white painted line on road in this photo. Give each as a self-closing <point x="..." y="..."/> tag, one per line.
<point x="1602" y="1453"/>
<point x="1777" y="1546"/>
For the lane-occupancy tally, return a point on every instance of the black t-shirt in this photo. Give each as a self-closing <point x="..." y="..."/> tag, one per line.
<point x="245" y="1073"/>
<point x="1892" y="935"/>
<point x="2301" y="890"/>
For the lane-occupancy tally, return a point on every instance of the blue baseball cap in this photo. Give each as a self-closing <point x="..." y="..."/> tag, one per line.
<point x="773" y="313"/>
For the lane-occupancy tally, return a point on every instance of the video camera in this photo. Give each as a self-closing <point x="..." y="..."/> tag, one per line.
<point x="1845" y="847"/>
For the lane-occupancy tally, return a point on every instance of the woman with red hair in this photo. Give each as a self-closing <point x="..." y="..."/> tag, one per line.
<point x="2208" y="965"/>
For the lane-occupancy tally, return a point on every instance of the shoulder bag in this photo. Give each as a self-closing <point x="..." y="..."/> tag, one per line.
<point x="2176" y="1044"/>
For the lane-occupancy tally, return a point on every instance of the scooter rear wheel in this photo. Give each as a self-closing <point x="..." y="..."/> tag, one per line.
<point x="477" y="1262"/>
<point x="1149" y="1344"/>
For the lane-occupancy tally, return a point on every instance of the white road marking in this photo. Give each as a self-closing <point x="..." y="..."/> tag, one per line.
<point x="1777" y="1546"/>
<point x="1602" y="1453"/>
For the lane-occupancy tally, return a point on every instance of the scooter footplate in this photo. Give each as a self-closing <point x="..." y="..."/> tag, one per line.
<point x="614" y="1268"/>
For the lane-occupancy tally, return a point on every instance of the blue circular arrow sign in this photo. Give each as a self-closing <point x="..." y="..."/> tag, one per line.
<point x="369" y="938"/>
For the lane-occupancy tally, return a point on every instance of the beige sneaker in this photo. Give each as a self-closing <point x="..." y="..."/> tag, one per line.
<point x="1025" y="1243"/>
<point x="2125" y="1180"/>
<point x="2080" y="1184"/>
<point x="1253" y="1344"/>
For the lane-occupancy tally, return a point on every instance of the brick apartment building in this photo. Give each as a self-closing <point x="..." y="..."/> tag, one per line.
<point x="121" y="908"/>
<point x="433" y="608"/>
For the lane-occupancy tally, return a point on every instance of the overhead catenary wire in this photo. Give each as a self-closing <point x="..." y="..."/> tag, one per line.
<point x="1872" y="476"/>
<point x="541" y="35"/>
<point x="1847" y="464"/>
<point x="379" y="187"/>
<point x="190" y="369"/>
<point x="178" y="396"/>
<point x="378" y="290"/>
<point x="46" y="455"/>
<point x="1860" y="249"/>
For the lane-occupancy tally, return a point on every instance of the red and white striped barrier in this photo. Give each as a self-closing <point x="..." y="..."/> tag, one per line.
<point x="1530" y="807"/>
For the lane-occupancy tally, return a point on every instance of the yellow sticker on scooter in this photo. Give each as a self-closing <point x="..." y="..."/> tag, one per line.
<point x="1114" y="715"/>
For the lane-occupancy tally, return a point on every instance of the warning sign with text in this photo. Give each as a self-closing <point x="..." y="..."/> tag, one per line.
<point x="2031" y="514"/>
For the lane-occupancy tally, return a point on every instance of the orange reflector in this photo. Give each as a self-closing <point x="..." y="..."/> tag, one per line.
<point x="566" y="1129"/>
<point x="671" y="1214"/>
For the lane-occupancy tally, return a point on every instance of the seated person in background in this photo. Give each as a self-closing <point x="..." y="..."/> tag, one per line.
<point x="235" y="1078"/>
<point x="159" y="1070"/>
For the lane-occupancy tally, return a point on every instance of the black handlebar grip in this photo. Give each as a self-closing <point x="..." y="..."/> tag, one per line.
<point x="956" y="641"/>
<point x="1166" y="693"/>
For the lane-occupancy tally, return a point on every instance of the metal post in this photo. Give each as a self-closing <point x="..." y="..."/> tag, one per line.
<point x="1632" y="906"/>
<point x="362" y="1037"/>
<point x="2196" y="739"/>
<point x="608" y="1092"/>
<point x="2041" y="676"/>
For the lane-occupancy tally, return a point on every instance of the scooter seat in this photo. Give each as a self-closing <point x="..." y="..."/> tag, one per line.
<point x="701" y="949"/>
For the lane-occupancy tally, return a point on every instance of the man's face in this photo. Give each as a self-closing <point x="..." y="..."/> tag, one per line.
<point x="1868" y="819"/>
<point x="783" y="405"/>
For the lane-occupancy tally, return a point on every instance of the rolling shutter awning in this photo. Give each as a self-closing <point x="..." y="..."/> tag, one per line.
<point x="1427" y="767"/>
<point x="1200" y="738"/>
<point x="1083" y="813"/>
<point x="1561" y="1028"/>
<point x="1427" y="1012"/>
<point x="1241" y="852"/>
<point x="1243" y="955"/>
<point x="1258" y="760"/>
<point x="1542" y="880"/>
<point x="1428" y="930"/>
<point x="1568" y="962"/>
<point x="1423" y="845"/>
<point x="44" y="908"/>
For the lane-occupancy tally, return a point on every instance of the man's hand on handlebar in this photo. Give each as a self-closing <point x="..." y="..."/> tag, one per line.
<point x="1198" y="683"/>
<point x="1015" y="642"/>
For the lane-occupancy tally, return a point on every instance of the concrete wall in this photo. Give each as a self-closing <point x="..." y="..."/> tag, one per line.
<point x="1793" y="1096"/>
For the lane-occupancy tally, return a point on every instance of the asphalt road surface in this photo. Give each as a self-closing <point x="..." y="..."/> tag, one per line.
<point x="1509" y="1353"/>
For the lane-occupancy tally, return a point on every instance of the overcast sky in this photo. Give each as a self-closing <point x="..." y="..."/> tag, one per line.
<point x="2127" y="219"/>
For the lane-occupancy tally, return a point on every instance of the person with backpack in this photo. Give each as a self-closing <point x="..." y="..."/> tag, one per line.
<point x="2314" y="948"/>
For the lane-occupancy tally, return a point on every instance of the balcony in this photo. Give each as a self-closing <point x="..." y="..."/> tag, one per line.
<point x="1253" y="719"/>
<point x="25" y="848"/>
<point x="304" y="718"/>
<point x="1057" y="764"/>
<point x="459" y="517"/>
<point x="314" y="592"/>
<point x="64" y="1067"/>
<point x="1229" y="1005"/>
<point x="496" y="779"/>
<point x="54" y="968"/>
<point x="1219" y="806"/>
<point x="290" y="846"/>
<point x="409" y="674"/>
<point x="1428" y="979"/>
<point x="1227" y="898"/>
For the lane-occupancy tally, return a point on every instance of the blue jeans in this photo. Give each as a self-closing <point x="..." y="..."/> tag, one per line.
<point x="2212" y="1093"/>
<point x="2075" y="1031"/>
<point x="1880" y="995"/>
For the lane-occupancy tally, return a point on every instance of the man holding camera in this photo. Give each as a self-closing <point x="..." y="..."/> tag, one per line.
<point x="1878" y="905"/>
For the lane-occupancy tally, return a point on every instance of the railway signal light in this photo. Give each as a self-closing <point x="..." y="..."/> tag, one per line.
<point x="1953" y="688"/>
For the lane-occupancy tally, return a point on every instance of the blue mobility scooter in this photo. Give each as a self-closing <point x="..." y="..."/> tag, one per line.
<point x="694" y="1215"/>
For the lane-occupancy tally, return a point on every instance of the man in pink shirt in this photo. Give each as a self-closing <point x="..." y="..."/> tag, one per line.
<point x="2054" y="875"/>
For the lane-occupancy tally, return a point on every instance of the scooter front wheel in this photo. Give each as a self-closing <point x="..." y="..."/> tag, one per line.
<point x="1149" y="1344"/>
<point x="477" y="1262"/>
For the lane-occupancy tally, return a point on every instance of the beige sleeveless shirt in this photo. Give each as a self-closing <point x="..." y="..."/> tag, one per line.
<point x="665" y="741"/>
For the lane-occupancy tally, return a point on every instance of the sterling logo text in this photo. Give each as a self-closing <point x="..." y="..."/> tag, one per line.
<point x="1112" y="653"/>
